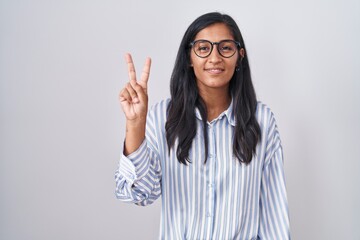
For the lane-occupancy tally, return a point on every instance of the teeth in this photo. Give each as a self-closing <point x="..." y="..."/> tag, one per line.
<point x="215" y="70"/>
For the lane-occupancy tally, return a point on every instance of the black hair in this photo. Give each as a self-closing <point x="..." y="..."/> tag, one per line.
<point x="185" y="98"/>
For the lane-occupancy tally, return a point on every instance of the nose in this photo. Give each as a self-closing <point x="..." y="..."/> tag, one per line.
<point x="215" y="57"/>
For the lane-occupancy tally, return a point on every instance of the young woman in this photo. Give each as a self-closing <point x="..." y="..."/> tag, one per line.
<point x="211" y="151"/>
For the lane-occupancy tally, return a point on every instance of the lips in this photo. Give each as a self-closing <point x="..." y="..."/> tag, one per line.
<point x="214" y="70"/>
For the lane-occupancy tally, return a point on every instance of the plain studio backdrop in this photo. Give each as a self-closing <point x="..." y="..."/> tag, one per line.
<point x="62" y="66"/>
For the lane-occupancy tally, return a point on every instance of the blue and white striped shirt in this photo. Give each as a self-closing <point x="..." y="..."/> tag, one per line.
<point x="219" y="199"/>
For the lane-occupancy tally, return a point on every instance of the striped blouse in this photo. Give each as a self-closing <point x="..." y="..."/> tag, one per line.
<point x="219" y="199"/>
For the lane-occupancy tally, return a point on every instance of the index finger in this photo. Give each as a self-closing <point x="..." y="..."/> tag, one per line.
<point x="131" y="67"/>
<point x="145" y="73"/>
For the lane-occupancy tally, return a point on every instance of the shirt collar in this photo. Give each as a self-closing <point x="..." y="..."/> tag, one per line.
<point x="229" y="113"/>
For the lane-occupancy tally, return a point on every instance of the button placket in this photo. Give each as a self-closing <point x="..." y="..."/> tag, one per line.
<point x="211" y="163"/>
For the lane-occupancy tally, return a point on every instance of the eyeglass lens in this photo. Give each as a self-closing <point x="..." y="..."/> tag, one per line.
<point x="226" y="48"/>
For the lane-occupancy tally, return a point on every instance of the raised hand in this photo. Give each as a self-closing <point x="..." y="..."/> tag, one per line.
<point x="133" y="97"/>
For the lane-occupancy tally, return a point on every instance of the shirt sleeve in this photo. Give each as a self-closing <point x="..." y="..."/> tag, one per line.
<point x="274" y="215"/>
<point x="138" y="176"/>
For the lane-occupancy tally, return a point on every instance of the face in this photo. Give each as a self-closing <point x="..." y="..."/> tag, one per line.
<point x="214" y="71"/>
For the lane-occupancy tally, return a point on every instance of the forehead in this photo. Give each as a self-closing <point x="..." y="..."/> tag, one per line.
<point x="215" y="32"/>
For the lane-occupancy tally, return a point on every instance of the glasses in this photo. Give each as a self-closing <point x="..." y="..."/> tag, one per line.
<point x="226" y="48"/>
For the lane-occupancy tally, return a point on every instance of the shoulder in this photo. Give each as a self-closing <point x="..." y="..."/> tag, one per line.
<point x="264" y="114"/>
<point x="160" y="106"/>
<point x="270" y="132"/>
<point x="266" y="119"/>
<point x="268" y="125"/>
<point x="158" y="110"/>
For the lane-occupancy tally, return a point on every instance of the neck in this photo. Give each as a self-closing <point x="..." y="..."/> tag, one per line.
<point x="216" y="101"/>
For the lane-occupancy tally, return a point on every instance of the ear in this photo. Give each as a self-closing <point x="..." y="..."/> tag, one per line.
<point x="242" y="53"/>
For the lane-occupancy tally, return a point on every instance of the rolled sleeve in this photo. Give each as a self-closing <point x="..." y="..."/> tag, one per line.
<point x="130" y="166"/>
<point x="138" y="176"/>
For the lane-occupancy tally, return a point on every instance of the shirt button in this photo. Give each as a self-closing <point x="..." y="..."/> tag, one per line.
<point x="210" y="185"/>
<point x="208" y="214"/>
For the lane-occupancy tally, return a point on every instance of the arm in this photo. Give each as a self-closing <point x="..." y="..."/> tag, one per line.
<point x="274" y="215"/>
<point x="134" y="102"/>
<point x="139" y="173"/>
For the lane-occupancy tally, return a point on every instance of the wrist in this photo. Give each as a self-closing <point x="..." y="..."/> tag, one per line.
<point x="135" y="135"/>
<point x="137" y="122"/>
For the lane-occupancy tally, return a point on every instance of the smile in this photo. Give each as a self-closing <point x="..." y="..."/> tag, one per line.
<point x="214" y="70"/>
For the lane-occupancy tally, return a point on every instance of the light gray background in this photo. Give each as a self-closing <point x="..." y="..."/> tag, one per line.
<point x="61" y="67"/>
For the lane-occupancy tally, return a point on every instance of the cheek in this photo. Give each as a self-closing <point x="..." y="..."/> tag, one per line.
<point x="197" y="64"/>
<point x="197" y="71"/>
<point x="234" y="64"/>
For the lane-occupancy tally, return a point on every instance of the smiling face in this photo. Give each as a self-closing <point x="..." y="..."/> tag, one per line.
<point x="214" y="72"/>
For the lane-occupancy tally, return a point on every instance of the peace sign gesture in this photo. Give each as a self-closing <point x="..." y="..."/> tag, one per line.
<point x="133" y="97"/>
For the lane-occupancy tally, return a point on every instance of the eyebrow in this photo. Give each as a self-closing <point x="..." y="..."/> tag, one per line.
<point x="202" y="39"/>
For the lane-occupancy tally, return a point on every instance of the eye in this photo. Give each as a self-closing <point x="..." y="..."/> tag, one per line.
<point x="227" y="47"/>
<point x="203" y="47"/>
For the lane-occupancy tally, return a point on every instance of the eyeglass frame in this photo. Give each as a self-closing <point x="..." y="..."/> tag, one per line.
<point x="192" y="44"/>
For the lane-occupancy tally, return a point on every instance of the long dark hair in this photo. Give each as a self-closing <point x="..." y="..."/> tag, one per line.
<point x="181" y="120"/>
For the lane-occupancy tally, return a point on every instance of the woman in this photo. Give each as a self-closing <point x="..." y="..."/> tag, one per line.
<point x="212" y="151"/>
